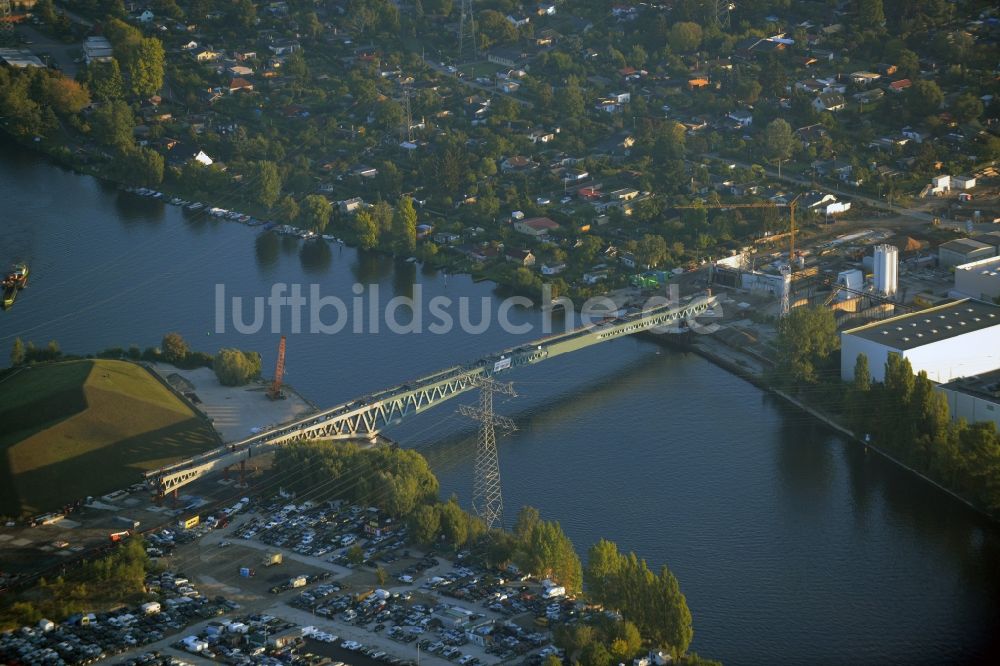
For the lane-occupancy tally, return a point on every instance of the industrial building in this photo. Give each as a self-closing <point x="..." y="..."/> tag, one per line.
<point x="974" y="398"/>
<point x="886" y="265"/>
<point x="957" y="339"/>
<point x="962" y="251"/>
<point x="979" y="279"/>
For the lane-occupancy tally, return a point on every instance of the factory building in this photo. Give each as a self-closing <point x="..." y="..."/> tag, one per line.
<point x="886" y="265"/>
<point x="974" y="398"/>
<point x="957" y="339"/>
<point x="979" y="279"/>
<point x="962" y="251"/>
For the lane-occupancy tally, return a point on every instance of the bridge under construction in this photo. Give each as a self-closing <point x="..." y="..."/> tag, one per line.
<point x="365" y="417"/>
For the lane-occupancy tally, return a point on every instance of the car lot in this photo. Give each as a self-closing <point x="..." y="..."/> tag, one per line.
<point x="91" y="637"/>
<point x="348" y="583"/>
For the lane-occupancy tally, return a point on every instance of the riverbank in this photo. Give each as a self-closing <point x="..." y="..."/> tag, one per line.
<point x="748" y="367"/>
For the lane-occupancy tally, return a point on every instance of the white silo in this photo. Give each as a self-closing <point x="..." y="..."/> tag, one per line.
<point x="886" y="270"/>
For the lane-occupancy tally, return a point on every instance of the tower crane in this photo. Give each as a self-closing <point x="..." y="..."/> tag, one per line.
<point x="791" y="206"/>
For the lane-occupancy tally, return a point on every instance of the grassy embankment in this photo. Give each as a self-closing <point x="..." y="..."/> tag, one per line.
<point x="87" y="427"/>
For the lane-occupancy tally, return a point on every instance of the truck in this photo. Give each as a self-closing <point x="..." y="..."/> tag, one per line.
<point x="118" y="536"/>
<point x="272" y="558"/>
<point x="298" y="581"/>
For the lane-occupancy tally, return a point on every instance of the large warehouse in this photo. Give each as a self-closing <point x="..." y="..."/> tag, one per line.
<point x="957" y="339"/>
<point x="979" y="279"/>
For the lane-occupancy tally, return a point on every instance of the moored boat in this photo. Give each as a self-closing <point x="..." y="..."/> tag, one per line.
<point x="13" y="283"/>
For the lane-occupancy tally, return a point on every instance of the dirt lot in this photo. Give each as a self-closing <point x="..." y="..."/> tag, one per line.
<point x="236" y="411"/>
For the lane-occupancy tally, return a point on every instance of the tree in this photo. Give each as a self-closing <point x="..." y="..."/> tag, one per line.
<point x="64" y="95"/>
<point x="17" y="352"/>
<point x="389" y="114"/>
<point x="924" y="98"/>
<point x="113" y="125"/>
<point x="438" y="7"/>
<point x="234" y="367"/>
<point x="454" y="524"/>
<point x="859" y="397"/>
<point x="570" y="101"/>
<point x="684" y="37"/>
<point x="547" y="552"/>
<point x="806" y="338"/>
<point x="145" y="67"/>
<point x="425" y="524"/>
<point x="366" y="230"/>
<point x="139" y="165"/>
<point x="966" y="108"/>
<point x="104" y="79"/>
<point x="871" y="15"/>
<point x="602" y="572"/>
<point x="316" y="211"/>
<point x="779" y="141"/>
<point x="268" y="183"/>
<point x="404" y="227"/>
<point x="174" y="347"/>
<point x="651" y="250"/>
<point x="288" y="210"/>
<point x="380" y="576"/>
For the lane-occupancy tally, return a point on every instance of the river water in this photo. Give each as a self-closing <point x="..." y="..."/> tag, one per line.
<point x="790" y="544"/>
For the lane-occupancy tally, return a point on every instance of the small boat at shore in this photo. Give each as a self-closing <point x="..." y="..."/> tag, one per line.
<point x="13" y="283"/>
<point x="196" y="205"/>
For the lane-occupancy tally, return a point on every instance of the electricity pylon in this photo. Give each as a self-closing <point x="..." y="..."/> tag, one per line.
<point x="468" y="45"/>
<point x="487" y="498"/>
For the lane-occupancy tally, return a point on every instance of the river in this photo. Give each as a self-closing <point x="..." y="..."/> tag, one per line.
<point x="790" y="543"/>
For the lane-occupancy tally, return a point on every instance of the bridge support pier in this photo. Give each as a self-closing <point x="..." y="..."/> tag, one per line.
<point x="243" y="468"/>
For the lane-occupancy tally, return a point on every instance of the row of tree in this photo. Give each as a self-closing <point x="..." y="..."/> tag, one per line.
<point x="109" y="581"/>
<point x="397" y="481"/>
<point x="652" y="601"/>
<point x="908" y="418"/>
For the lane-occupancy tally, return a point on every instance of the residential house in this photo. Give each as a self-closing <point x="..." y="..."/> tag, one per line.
<point x="517" y="164"/>
<point x="741" y="117"/>
<point x="899" y="86"/>
<point x="240" y="70"/>
<point x="190" y="46"/>
<point x="623" y="194"/>
<point x="545" y="9"/>
<point x="351" y="205"/>
<point x="522" y="258"/>
<point x="698" y="83"/>
<point x="146" y="16"/>
<point x="864" y="78"/>
<point x="536" y="226"/>
<point x="518" y="19"/>
<point x="509" y="87"/>
<point x="541" y="136"/>
<point x="207" y="55"/>
<point x="239" y="84"/>
<point x="284" y="47"/>
<point x="595" y="276"/>
<point x="446" y="238"/>
<point x="869" y="96"/>
<point x="810" y="134"/>
<point x="554" y="269"/>
<point x="202" y="158"/>
<point x="829" y="102"/>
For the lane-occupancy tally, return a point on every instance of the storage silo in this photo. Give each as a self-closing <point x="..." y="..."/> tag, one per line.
<point x="886" y="270"/>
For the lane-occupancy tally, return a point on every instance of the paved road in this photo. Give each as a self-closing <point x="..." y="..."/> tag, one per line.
<point x="471" y="83"/>
<point x="852" y="194"/>
<point x="62" y="54"/>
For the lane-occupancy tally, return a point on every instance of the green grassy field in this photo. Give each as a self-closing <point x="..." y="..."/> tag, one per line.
<point x="78" y="428"/>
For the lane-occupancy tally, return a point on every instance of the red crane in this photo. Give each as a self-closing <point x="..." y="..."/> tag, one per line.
<point x="275" y="392"/>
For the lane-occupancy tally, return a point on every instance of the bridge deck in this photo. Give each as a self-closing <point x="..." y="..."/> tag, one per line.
<point x="367" y="415"/>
